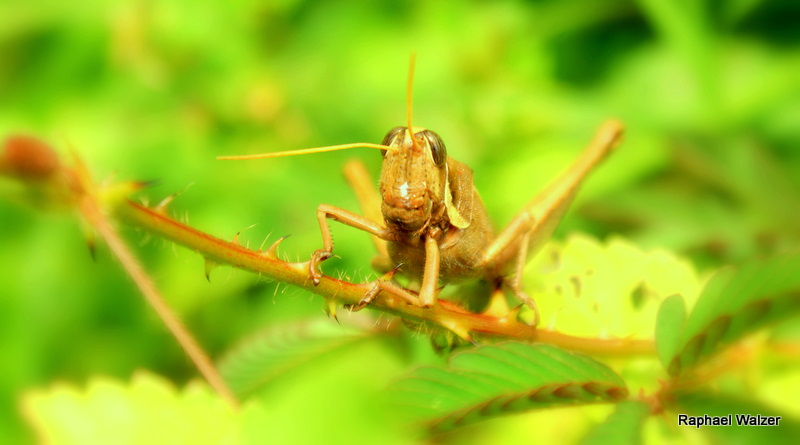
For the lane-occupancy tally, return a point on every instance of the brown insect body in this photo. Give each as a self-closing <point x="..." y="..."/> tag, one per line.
<point x="424" y="193"/>
<point x="436" y="228"/>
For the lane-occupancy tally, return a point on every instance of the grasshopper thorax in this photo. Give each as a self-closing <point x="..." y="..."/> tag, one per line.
<point x="413" y="179"/>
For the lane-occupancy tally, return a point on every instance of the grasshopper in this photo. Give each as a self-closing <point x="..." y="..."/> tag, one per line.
<point x="434" y="226"/>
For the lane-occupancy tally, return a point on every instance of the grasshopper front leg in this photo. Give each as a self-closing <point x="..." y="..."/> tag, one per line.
<point x="325" y="211"/>
<point x="427" y="295"/>
<point x="430" y="275"/>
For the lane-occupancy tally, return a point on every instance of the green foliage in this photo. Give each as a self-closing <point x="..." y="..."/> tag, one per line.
<point x="588" y="288"/>
<point x="624" y="425"/>
<point x="734" y="303"/>
<point x="705" y="180"/>
<point x="281" y="349"/>
<point x="670" y="323"/>
<point x="492" y="380"/>
<point x="147" y="410"/>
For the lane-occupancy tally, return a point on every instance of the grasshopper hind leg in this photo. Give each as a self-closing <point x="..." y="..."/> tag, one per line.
<point x="526" y="299"/>
<point x="515" y="283"/>
<point x="497" y="303"/>
<point x="531" y="228"/>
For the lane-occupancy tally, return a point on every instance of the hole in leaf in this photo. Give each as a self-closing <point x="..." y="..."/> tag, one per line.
<point x="640" y="295"/>
<point x="576" y="284"/>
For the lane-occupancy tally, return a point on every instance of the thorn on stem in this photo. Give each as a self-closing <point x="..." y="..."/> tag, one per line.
<point x="461" y="331"/>
<point x="272" y="252"/>
<point x="145" y="184"/>
<point x="236" y="237"/>
<point x="92" y="245"/>
<point x="161" y="207"/>
<point x="209" y="266"/>
<point x="330" y="308"/>
<point x="389" y="275"/>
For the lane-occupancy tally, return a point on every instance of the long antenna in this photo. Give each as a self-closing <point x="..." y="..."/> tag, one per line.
<point x="410" y="96"/>
<point x="304" y="151"/>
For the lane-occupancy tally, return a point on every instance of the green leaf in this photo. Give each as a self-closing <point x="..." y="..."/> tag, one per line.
<point x="281" y="349"/>
<point x="735" y="303"/>
<point x="588" y="288"/>
<point x="671" y="317"/>
<point x="623" y="426"/>
<point x="149" y="409"/>
<point x="501" y="379"/>
<point x="340" y="399"/>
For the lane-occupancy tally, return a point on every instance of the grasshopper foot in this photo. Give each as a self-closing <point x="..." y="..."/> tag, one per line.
<point x="531" y="303"/>
<point x="391" y="289"/>
<point x="368" y="298"/>
<point x="313" y="265"/>
<point x="385" y="283"/>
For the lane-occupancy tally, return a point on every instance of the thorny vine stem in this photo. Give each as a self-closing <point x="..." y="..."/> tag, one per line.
<point x="55" y="185"/>
<point x="445" y="314"/>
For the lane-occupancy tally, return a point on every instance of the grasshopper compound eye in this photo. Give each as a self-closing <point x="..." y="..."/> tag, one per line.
<point x="438" y="150"/>
<point x="391" y="136"/>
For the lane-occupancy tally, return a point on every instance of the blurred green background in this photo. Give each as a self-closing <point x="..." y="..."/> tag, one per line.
<point x="154" y="90"/>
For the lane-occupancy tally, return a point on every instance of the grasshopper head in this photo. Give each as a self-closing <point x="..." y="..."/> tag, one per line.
<point x="413" y="179"/>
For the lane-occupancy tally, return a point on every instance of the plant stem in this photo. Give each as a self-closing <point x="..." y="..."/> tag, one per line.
<point x="445" y="314"/>
<point x="148" y="289"/>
